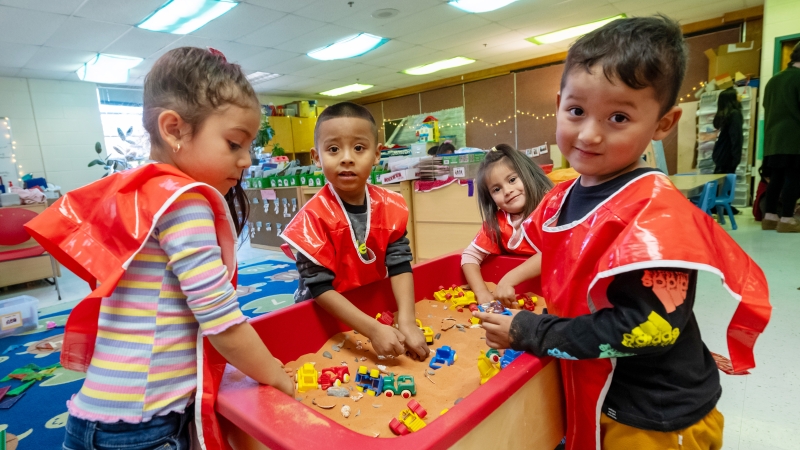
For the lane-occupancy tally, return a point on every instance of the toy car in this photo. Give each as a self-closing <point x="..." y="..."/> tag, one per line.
<point x="306" y="378"/>
<point x="444" y="355"/>
<point x="487" y="367"/>
<point x="369" y="381"/>
<point x="426" y="331"/>
<point x="463" y="298"/>
<point x="405" y="386"/>
<point x="334" y="376"/>
<point x="386" y="318"/>
<point x="409" y="420"/>
<point x="509" y="356"/>
<point x="527" y="303"/>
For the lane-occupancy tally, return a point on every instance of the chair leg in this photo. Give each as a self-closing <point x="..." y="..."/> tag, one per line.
<point x="730" y="214"/>
<point x="55" y="275"/>
<point x="720" y="215"/>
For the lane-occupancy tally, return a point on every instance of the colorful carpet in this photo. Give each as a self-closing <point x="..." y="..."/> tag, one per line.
<point x="37" y="417"/>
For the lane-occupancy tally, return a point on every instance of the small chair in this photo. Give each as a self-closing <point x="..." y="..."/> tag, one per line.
<point x="725" y="199"/>
<point x="708" y="197"/>
<point x="12" y="233"/>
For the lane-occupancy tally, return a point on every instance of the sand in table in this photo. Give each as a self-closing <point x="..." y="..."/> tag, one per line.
<point x="452" y="382"/>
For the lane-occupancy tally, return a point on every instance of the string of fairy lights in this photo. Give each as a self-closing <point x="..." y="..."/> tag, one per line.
<point x="13" y="147"/>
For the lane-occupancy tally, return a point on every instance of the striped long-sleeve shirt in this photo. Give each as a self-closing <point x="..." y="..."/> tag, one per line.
<point x="145" y="363"/>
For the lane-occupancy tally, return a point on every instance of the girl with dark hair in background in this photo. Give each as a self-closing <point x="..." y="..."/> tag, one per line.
<point x="729" y="121"/>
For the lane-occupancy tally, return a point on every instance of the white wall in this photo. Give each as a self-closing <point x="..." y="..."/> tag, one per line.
<point x="781" y="18"/>
<point x="55" y="125"/>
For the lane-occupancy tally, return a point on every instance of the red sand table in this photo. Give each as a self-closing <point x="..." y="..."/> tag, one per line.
<point x="521" y="407"/>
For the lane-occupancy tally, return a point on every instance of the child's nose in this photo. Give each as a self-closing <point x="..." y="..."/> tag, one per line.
<point x="347" y="155"/>
<point x="591" y="132"/>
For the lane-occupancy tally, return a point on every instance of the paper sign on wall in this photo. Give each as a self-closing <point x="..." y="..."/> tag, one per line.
<point x="268" y="194"/>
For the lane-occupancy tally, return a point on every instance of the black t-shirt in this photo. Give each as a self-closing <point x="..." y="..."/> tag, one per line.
<point x="665" y="378"/>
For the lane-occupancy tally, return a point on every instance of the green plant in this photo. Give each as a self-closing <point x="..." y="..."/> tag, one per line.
<point x="111" y="163"/>
<point x="265" y="133"/>
<point x="277" y="150"/>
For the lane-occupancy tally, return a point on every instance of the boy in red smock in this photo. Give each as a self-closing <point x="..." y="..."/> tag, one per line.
<point x="621" y="249"/>
<point x="352" y="233"/>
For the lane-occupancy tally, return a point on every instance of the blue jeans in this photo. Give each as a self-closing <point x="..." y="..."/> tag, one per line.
<point x="169" y="432"/>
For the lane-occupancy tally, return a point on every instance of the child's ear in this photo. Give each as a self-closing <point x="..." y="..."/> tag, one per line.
<point x="315" y="157"/>
<point x="377" y="156"/>
<point x="667" y="123"/>
<point x="558" y="100"/>
<point x="170" y="127"/>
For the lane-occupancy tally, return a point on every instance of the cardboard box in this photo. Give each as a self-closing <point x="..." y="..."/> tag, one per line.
<point x="744" y="57"/>
<point x="400" y="175"/>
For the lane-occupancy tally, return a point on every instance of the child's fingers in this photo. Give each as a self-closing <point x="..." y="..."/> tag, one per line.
<point x="487" y="318"/>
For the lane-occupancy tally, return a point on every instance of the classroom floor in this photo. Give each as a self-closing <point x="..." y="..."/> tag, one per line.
<point x="760" y="409"/>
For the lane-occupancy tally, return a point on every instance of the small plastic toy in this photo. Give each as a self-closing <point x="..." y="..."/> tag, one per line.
<point x="334" y="376"/>
<point x="306" y="378"/>
<point x="405" y="386"/>
<point x="494" y="307"/>
<point x="527" y="303"/>
<point x="426" y="331"/>
<point x="494" y="355"/>
<point x="386" y="318"/>
<point x="444" y="355"/>
<point x="409" y="420"/>
<point x="369" y="381"/>
<point x="487" y="367"/>
<point x="455" y="294"/>
<point x="509" y="356"/>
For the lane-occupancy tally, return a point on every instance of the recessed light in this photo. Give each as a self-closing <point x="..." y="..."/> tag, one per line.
<point x="580" y="30"/>
<point x="108" y="68"/>
<point x="260" y="77"/>
<point x="439" y="65"/>
<point x="185" y="16"/>
<point x="479" y="6"/>
<point x="385" y="13"/>
<point x="346" y="89"/>
<point x="348" y="47"/>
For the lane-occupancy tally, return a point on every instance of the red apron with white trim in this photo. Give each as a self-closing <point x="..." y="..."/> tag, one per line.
<point x="95" y="232"/>
<point x="646" y="224"/>
<point x="484" y="241"/>
<point x="322" y="232"/>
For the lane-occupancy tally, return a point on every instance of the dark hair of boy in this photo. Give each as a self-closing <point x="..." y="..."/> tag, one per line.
<point x="727" y="103"/>
<point x="446" y="149"/>
<point x="530" y="174"/>
<point x="640" y="51"/>
<point x="433" y="150"/>
<point x="345" y="109"/>
<point x="196" y="83"/>
<point x="795" y="56"/>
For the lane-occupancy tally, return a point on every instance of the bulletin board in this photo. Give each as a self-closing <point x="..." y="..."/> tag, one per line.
<point x="377" y="113"/>
<point x="451" y="127"/>
<point x="445" y="98"/>
<point x="488" y="102"/>
<point x="536" y="105"/>
<point x="400" y="107"/>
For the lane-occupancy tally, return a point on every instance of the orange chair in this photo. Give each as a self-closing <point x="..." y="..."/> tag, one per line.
<point x="12" y="233"/>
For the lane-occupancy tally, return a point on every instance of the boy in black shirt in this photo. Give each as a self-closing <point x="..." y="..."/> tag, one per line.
<point x="621" y="248"/>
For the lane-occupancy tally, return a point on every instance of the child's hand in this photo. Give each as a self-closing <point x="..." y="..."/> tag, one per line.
<point x="484" y="297"/>
<point x="286" y="386"/>
<point x="415" y="342"/>
<point x="505" y="294"/>
<point x="497" y="328"/>
<point x="387" y="341"/>
<point x="289" y="371"/>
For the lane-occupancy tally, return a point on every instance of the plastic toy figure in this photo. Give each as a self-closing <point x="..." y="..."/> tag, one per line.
<point x="494" y="355"/>
<point x="409" y="420"/>
<point x="405" y="386"/>
<point x="494" y="307"/>
<point x="426" y="331"/>
<point x="444" y="355"/>
<point x="306" y="378"/>
<point x="487" y="366"/>
<point x="370" y="381"/>
<point x="509" y="356"/>
<point x="334" y="376"/>
<point x="386" y="318"/>
<point x="528" y="303"/>
<point x="455" y="294"/>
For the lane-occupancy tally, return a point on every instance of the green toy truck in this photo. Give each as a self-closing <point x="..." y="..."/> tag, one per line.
<point x="405" y="386"/>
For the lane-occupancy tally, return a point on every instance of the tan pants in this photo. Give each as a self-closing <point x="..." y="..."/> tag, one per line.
<point x="706" y="434"/>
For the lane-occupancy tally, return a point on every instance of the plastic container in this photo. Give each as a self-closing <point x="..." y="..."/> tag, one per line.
<point x="418" y="150"/>
<point x="18" y="315"/>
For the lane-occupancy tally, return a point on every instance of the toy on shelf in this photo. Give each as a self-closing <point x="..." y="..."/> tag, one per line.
<point x="409" y="420"/>
<point x="386" y="318"/>
<point x="405" y="386"/>
<point x="487" y="365"/>
<point x="527" y="303"/>
<point x="306" y="378"/>
<point x="455" y="294"/>
<point x="369" y="381"/>
<point x="509" y="356"/>
<point x="426" y="331"/>
<point x="334" y="376"/>
<point x="444" y="355"/>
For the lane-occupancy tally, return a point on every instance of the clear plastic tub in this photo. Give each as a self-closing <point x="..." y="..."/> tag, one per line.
<point x="18" y="314"/>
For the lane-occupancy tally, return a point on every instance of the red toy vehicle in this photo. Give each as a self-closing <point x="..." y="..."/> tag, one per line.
<point x="528" y="303"/>
<point x="334" y="376"/>
<point x="386" y="318"/>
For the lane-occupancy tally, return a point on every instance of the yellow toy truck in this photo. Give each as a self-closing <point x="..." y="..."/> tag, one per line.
<point x="306" y="378"/>
<point x="409" y="420"/>
<point x="426" y="331"/>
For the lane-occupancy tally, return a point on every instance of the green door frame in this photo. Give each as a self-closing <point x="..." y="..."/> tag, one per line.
<point x="776" y="65"/>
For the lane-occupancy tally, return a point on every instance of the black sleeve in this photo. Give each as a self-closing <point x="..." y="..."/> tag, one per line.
<point x="398" y="256"/>
<point x="736" y="130"/>
<point x="638" y="323"/>
<point x="317" y="279"/>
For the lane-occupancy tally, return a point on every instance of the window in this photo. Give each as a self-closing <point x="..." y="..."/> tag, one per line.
<point x="121" y="116"/>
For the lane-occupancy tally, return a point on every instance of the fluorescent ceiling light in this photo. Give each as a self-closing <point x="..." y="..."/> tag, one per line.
<point x="185" y="16"/>
<point x="108" y="68"/>
<point x="260" y="77"/>
<point x="479" y="6"/>
<point x="439" y="65"/>
<point x="580" y="30"/>
<point x="348" y="47"/>
<point x="346" y="90"/>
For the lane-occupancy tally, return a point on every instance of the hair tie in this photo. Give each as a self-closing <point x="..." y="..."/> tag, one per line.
<point x="216" y="52"/>
<point x="493" y="149"/>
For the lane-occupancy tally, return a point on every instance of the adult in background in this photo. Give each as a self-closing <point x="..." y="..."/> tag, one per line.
<point x="782" y="147"/>
<point x="729" y="121"/>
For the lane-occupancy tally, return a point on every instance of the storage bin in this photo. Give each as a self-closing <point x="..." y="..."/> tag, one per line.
<point x="18" y="314"/>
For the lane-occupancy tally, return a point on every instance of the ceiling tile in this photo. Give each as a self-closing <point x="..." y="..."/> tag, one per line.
<point x="333" y="10"/>
<point x="119" y="11"/>
<point x="41" y="74"/>
<point x="84" y="34"/>
<point x="490" y="34"/>
<point x="369" y="24"/>
<point x="282" y="5"/>
<point x="240" y="21"/>
<point x="284" y="29"/>
<point x="388" y="50"/>
<point x="52" y="6"/>
<point x="296" y="64"/>
<point x="418" y="60"/>
<point x="554" y="13"/>
<point x="25" y="26"/>
<point x="352" y="73"/>
<point x="141" y="43"/>
<point x="16" y="55"/>
<point x="267" y="60"/>
<point x="319" y="67"/>
<point x="234" y="51"/>
<point x="8" y="71"/>
<point x="58" y="59"/>
<point x="427" y="18"/>
<point x="441" y="33"/>
<point x="401" y="56"/>
<point x="317" y="38"/>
